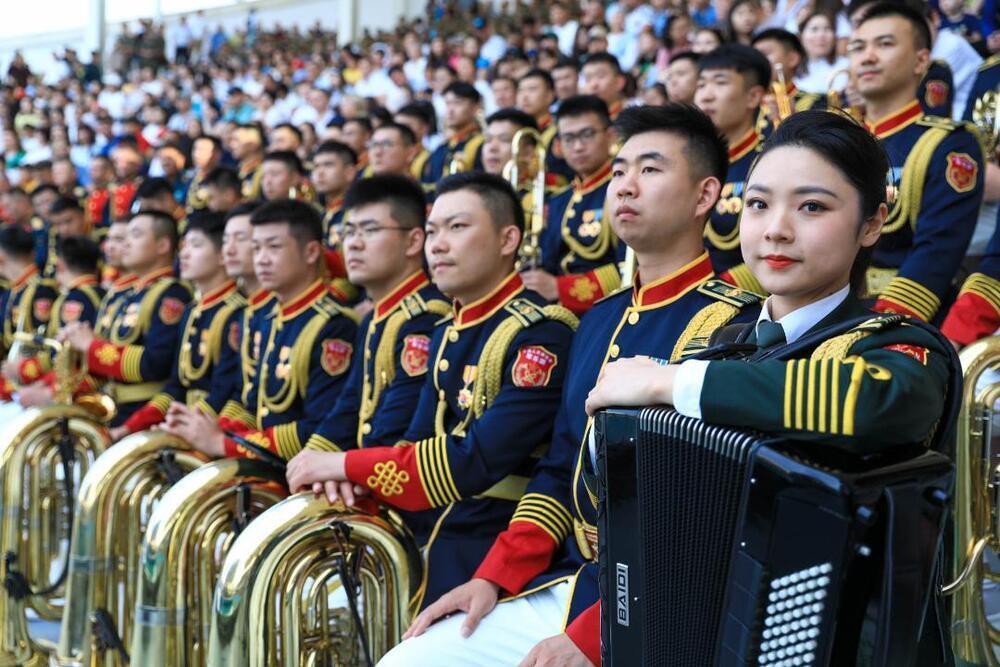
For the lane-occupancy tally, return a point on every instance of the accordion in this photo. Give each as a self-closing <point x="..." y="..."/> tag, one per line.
<point x="719" y="546"/>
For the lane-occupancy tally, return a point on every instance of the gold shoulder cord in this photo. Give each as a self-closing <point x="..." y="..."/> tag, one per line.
<point x="589" y="253"/>
<point x="911" y="185"/>
<point x="701" y="327"/>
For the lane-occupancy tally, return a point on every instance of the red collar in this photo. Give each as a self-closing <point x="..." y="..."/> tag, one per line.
<point x="124" y="281"/>
<point x="153" y="276"/>
<point x="896" y="121"/>
<point x="248" y="166"/>
<point x="669" y="288"/>
<point x="615" y="109"/>
<point x="259" y="298"/>
<point x="81" y="281"/>
<point x="218" y="294"/>
<point x="336" y="204"/>
<point x="544" y="121"/>
<point x="463" y="134"/>
<point x="744" y="145"/>
<point x="603" y="174"/>
<point x="387" y="304"/>
<point x="362" y="162"/>
<point x="479" y="310"/>
<point x="299" y="304"/>
<point x="791" y="88"/>
<point x="25" y="276"/>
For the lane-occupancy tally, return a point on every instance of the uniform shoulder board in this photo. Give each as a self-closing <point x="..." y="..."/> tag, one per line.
<point x="328" y="307"/>
<point x="236" y="299"/>
<point x="990" y="62"/>
<point x="525" y="311"/>
<point x="734" y="296"/>
<point x="414" y="306"/>
<point x="880" y="322"/>
<point x="939" y="122"/>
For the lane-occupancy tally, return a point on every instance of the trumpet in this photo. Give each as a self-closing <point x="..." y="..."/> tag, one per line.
<point x="986" y="118"/>
<point x="782" y="100"/>
<point x="530" y="253"/>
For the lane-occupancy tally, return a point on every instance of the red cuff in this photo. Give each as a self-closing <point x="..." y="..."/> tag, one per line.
<point x="884" y="305"/>
<point x="264" y="438"/>
<point x="971" y="317"/>
<point x="585" y="632"/>
<point x="390" y="473"/>
<point x="146" y="416"/>
<point x="105" y="359"/>
<point x="579" y="291"/>
<point x="519" y="554"/>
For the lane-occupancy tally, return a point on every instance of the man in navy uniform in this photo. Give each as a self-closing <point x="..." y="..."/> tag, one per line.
<point x="536" y="93"/>
<point x="732" y="82"/>
<point x="486" y="406"/>
<point x="304" y="349"/>
<point x="936" y="167"/>
<point x="206" y="368"/>
<point x="546" y="559"/>
<point x="136" y="357"/>
<point x="580" y="253"/>
<point x="465" y="140"/>
<point x="27" y="305"/>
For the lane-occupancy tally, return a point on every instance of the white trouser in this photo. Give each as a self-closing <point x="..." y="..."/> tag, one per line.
<point x="503" y="637"/>
<point x="10" y="410"/>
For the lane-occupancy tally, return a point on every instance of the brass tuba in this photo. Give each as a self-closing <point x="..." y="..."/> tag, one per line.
<point x="281" y="598"/>
<point x="986" y="118"/>
<point x="839" y="98"/>
<point x="43" y="454"/>
<point x="114" y="505"/>
<point x="188" y="536"/>
<point x="779" y="89"/>
<point x="977" y="500"/>
<point x="530" y="254"/>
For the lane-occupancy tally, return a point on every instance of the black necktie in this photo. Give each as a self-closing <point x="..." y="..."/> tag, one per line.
<point x="770" y="334"/>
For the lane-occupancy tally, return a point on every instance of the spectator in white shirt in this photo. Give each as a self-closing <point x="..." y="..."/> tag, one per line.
<point x="563" y="27"/>
<point x="820" y="43"/>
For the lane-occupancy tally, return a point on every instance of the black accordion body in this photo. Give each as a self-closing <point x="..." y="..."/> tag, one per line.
<point x="724" y="547"/>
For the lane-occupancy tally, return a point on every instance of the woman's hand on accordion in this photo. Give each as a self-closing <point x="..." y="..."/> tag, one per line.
<point x="636" y="381"/>
<point x="476" y="598"/>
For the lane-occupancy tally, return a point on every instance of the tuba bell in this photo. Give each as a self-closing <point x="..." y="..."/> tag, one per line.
<point x="838" y="98"/>
<point x="308" y="583"/>
<point x="530" y="254"/>
<point x="44" y="452"/>
<point x="976" y="530"/>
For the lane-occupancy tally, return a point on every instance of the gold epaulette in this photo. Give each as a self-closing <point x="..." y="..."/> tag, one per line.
<point x="734" y="296"/>
<point x="470" y="149"/>
<point x="939" y="122"/>
<point x="330" y="308"/>
<point x="415" y="305"/>
<point x="838" y="346"/>
<point x="990" y="62"/>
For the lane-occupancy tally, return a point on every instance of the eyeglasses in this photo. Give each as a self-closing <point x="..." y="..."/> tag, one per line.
<point x="372" y="145"/>
<point x="583" y="136"/>
<point x="367" y="232"/>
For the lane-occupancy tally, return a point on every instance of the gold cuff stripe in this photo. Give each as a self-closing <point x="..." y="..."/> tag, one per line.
<point x="235" y="410"/>
<point x="813" y="398"/>
<point x="435" y="474"/>
<point x="203" y="405"/>
<point x="318" y="443"/>
<point x="546" y="513"/>
<point x="286" y="438"/>
<point x="162" y="402"/>
<point x="131" y="360"/>
<point x="985" y="287"/>
<point x="912" y="295"/>
<point x="608" y="277"/>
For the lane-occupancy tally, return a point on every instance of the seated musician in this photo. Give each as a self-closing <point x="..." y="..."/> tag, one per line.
<point x="485" y="410"/>
<point x="206" y="364"/>
<point x="976" y="312"/>
<point x="303" y="347"/>
<point x="815" y="203"/>
<point x="544" y="558"/>
<point x="79" y="300"/>
<point x="135" y="355"/>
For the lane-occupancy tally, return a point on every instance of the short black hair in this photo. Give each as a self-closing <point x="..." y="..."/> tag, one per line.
<point x="706" y="149"/>
<point x="287" y="158"/>
<point x="538" y="73"/>
<point x="579" y="105"/>
<point x="422" y="111"/>
<point x="17" y="242"/>
<point x="566" y="61"/>
<point x="747" y="61"/>
<point x="496" y="193"/>
<point x="224" y="178"/>
<point x="404" y="196"/>
<point x="338" y="148"/>
<point x="65" y="203"/>
<point x="686" y="55"/>
<point x="243" y="208"/>
<point x="512" y="115"/>
<point x="405" y="133"/>
<point x="606" y="58"/>
<point x="852" y="149"/>
<point x="291" y="128"/>
<point x="256" y="127"/>
<point x="302" y="219"/>
<point x="363" y="121"/>
<point x="153" y="187"/>
<point x="464" y="90"/>
<point x="787" y="39"/>
<point x="216" y="143"/>
<point x="210" y="223"/>
<point x="43" y="188"/>
<point x="921" y="31"/>
<point x="79" y="253"/>
<point x="164" y="224"/>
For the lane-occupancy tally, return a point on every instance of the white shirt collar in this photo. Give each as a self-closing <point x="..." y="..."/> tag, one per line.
<point x="805" y="318"/>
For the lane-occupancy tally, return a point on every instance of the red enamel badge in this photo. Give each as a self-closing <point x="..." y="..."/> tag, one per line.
<point x="962" y="171"/>
<point x="918" y="353"/>
<point x="533" y="366"/>
<point x="936" y="93"/>
<point x="416" y="353"/>
<point x="171" y="310"/>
